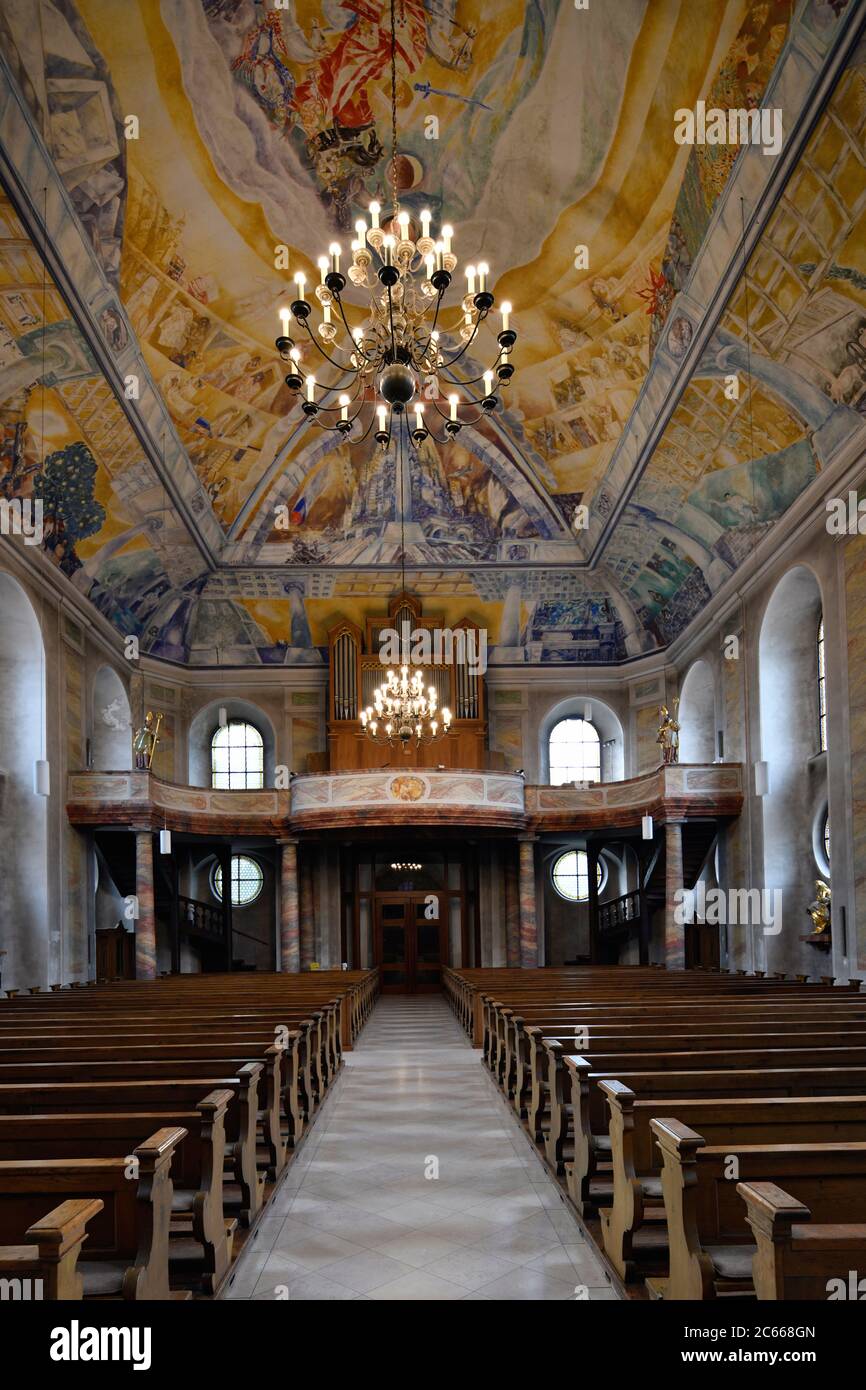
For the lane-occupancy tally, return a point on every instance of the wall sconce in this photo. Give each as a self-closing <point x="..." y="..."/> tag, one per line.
<point x="646" y="827"/>
<point x="42" y="777"/>
<point x="165" y="842"/>
<point x="762" y="779"/>
<point x="587" y="711"/>
<point x="223" y="717"/>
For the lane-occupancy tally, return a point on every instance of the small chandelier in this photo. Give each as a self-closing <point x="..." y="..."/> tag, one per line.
<point x="403" y="714"/>
<point x="395" y="356"/>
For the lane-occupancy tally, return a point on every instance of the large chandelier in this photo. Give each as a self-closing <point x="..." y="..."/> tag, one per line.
<point x="402" y="714"/>
<point x="396" y="355"/>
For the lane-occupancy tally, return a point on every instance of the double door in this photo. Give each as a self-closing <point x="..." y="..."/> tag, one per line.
<point x="409" y="942"/>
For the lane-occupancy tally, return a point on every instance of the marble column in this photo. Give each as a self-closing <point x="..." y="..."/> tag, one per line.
<point x="307" y="913"/>
<point x="145" y="925"/>
<point x="290" y="955"/>
<point x="512" y="909"/>
<point x="528" y="927"/>
<point x="675" y="932"/>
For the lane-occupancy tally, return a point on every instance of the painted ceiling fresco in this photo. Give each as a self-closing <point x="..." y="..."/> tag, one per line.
<point x="256" y="126"/>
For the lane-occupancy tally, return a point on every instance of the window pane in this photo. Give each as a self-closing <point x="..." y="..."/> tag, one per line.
<point x="237" y="757"/>
<point x="575" y="752"/>
<point x="571" y="875"/>
<point x="247" y="880"/>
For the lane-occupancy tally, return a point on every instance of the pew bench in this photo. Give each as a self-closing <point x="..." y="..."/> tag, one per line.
<point x="796" y="1259"/>
<point x="710" y="1242"/>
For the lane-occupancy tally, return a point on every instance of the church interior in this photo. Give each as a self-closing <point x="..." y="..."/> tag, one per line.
<point x="433" y="718"/>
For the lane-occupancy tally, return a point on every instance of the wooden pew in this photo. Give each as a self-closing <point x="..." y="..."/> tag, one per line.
<point x="709" y="1240"/>
<point x="843" y="1069"/>
<point x="128" y="1236"/>
<point x="796" y="1261"/>
<point x="637" y="1209"/>
<point x="47" y="1261"/>
<point x="200" y="1235"/>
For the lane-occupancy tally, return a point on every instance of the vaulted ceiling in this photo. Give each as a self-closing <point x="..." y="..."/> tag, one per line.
<point x="142" y="399"/>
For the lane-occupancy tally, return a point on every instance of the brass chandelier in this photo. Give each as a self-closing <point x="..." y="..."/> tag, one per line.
<point x="402" y="714"/>
<point x="396" y="356"/>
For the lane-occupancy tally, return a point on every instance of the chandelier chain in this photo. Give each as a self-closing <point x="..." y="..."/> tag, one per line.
<point x="394" y="112"/>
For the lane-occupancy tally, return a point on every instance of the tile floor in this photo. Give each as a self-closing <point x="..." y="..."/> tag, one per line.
<point x="357" y="1215"/>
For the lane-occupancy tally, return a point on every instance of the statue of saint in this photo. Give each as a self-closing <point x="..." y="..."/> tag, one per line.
<point x="669" y="733"/>
<point x="145" y="741"/>
<point x="820" y="909"/>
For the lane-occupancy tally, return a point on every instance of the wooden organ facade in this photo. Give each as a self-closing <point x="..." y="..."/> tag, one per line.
<point x="356" y="668"/>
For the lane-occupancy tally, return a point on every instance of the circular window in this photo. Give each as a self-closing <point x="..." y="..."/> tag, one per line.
<point x="571" y="875"/>
<point x="247" y="880"/>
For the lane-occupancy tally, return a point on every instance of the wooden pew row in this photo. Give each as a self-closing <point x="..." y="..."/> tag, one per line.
<point x="200" y="1236"/>
<point x="127" y="1219"/>
<point x="243" y="1185"/>
<point x="633" y="1225"/>
<point x="798" y="1071"/>
<point x="103" y="1076"/>
<point x="710" y="1240"/>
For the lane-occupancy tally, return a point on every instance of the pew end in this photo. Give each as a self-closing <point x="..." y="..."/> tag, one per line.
<point x="796" y="1261"/>
<point x="50" y="1255"/>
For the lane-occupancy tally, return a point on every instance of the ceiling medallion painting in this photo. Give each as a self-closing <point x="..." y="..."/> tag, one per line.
<point x="264" y="127"/>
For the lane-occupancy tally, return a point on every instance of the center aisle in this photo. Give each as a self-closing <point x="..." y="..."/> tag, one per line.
<point x="357" y="1216"/>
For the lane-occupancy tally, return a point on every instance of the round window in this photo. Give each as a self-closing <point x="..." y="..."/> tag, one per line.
<point x="247" y="880"/>
<point x="571" y="875"/>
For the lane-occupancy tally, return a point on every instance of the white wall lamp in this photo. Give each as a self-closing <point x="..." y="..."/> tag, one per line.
<point x="587" y="711"/>
<point x="646" y="827"/>
<point x="165" y="842"/>
<point x="42" y="777"/>
<point x="762" y="779"/>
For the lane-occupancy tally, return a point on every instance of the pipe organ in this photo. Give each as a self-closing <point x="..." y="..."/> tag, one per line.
<point x="452" y="660"/>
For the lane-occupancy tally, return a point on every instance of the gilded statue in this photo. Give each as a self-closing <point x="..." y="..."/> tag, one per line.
<point x="820" y="909"/>
<point x="669" y="733"/>
<point x="145" y="741"/>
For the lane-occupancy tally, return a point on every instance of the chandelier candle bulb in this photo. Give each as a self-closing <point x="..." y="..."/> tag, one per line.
<point x="374" y="216"/>
<point x="300" y="281"/>
<point x="284" y="320"/>
<point x="483" y="272"/>
<point x="334" y="250"/>
<point x="488" y="383"/>
<point x="344" y="407"/>
<point x="506" y="315"/>
<point x="426" y="218"/>
<point x="440" y="255"/>
<point x="403" y="224"/>
<point x="470" y="277"/>
<point x="419" y="416"/>
<point x="447" y="234"/>
<point x="311" y="388"/>
<point x="453" y="402"/>
<point x="323" y="267"/>
<point x="381" y="410"/>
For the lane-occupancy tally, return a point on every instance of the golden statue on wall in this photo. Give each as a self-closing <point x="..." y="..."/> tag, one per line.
<point x="669" y="733"/>
<point x="145" y="741"/>
<point x="820" y="909"/>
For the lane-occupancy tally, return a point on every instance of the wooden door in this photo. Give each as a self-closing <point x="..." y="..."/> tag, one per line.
<point x="409" y="943"/>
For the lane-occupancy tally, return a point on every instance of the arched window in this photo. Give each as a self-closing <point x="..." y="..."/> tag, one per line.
<point x="571" y="875"/>
<point x="247" y="880"/>
<point x="575" y="752"/>
<point x="822" y="692"/>
<point x="237" y="757"/>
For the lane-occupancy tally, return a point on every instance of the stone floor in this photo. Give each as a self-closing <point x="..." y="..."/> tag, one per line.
<point x="359" y="1214"/>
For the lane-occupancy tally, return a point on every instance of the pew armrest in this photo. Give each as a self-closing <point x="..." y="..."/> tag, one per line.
<point x="53" y="1246"/>
<point x="795" y="1260"/>
<point x="147" y="1278"/>
<point x="770" y="1211"/>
